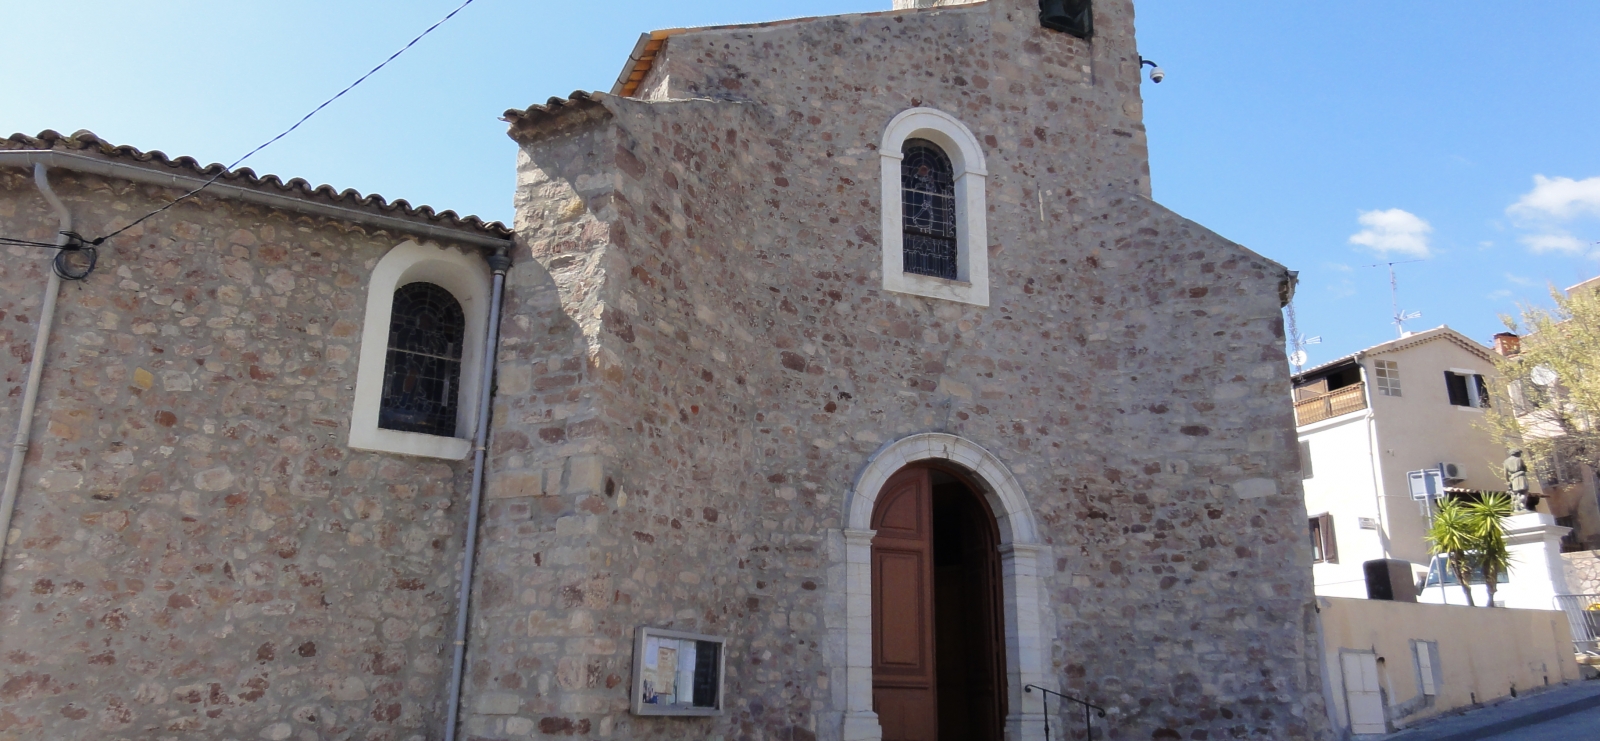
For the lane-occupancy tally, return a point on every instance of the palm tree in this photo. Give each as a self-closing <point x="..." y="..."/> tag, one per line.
<point x="1487" y="525"/>
<point x="1451" y="534"/>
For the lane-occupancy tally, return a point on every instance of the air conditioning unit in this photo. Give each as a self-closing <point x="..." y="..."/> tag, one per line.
<point x="1454" y="473"/>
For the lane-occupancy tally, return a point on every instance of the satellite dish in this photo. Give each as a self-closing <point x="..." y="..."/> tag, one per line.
<point x="1543" y="375"/>
<point x="1297" y="358"/>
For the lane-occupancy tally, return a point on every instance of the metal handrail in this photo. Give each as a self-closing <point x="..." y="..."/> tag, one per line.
<point x="1088" y="726"/>
<point x="1584" y="619"/>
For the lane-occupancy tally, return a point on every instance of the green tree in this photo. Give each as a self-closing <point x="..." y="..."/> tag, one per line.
<point x="1472" y="537"/>
<point x="1451" y="535"/>
<point x="1486" y="522"/>
<point x="1550" y="389"/>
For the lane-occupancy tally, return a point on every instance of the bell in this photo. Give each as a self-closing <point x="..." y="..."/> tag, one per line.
<point x="1068" y="16"/>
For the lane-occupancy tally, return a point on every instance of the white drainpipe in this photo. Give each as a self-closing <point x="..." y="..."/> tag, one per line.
<point x="30" y="393"/>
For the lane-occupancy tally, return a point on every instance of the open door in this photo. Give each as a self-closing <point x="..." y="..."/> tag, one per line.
<point x="904" y="691"/>
<point x="938" y="649"/>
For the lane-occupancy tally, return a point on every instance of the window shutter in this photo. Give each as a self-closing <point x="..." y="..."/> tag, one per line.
<point x="1427" y="662"/>
<point x="1330" y="545"/>
<point x="1457" y="388"/>
<point x="1305" y="460"/>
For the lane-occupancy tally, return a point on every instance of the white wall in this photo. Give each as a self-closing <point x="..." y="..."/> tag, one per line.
<point x="1343" y="485"/>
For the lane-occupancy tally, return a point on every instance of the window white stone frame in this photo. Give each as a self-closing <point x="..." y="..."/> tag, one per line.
<point x="1030" y="628"/>
<point x="466" y="276"/>
<point x="971" y="285"/>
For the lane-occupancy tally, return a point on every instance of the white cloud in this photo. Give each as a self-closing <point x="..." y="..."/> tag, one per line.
<point x="1546" y="212"/>
<point x="1521" y="281"/>
<point x="1554" y="240"/>
<point x="1394" y="230"/>
<point x="1558" y="199"/>
<point x="1500" y="294"/>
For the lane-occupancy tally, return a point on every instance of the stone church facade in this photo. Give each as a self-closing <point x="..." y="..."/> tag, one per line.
<point x="741" y="388"/>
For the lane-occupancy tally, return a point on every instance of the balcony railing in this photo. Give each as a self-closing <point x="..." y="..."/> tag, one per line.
<point x="1332" y="404"/>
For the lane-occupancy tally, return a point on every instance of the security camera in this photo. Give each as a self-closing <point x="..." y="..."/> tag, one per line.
<point x="1156" y="73"/>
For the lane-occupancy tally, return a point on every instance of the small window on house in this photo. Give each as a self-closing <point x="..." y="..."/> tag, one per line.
<point x="928" y="208"/>
<point x="1324" y="549"/>
<point x="1387" y="373"/>
<point x="1467" y="389"/>
<point x="422" y="373"/>
<point x="1305" y="460"/>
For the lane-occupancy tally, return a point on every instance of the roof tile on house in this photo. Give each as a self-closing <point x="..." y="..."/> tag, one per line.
<point x="555" y="114"/>
<point x="86" y="143"/>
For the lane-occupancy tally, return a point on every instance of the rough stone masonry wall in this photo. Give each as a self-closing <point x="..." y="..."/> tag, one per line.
<point x="196" y="554"/>
<point x="747" y="362"/>
<point x="1583" y="571"/>
<point x="542" y="633"/>
<point x="988" y="63"/>
<point x="680" y="532"/>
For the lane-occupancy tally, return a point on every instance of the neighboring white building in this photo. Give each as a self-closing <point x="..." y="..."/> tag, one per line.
<point x="1365" y="422"/>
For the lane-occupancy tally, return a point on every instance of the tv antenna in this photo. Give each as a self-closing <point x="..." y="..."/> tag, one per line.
<point x="1400" y="317"/>
<point x="1298" y="342"/>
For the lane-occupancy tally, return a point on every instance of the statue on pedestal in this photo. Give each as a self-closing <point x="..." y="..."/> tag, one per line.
<point x="1516" y="472"/>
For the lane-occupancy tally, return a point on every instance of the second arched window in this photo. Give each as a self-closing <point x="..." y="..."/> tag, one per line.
<point x="928" y="210"/>
<point x="422" y="373"/>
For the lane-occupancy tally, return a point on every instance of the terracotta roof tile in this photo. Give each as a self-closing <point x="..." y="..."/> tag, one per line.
<point x="555" y="114"/>
<point x="85" y="142"/>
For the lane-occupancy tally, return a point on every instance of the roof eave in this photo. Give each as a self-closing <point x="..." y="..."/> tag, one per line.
<point x="557" y="115"/>
<point x="140" y="174"/>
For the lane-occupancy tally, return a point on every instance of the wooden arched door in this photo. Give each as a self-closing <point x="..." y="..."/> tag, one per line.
<point x="904" y="687"/>
<point x="935" y="603"/>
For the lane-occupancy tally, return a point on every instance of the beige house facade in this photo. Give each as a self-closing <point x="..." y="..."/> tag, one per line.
<point x="843" y="382"/>
<point x="1367" y="421"/>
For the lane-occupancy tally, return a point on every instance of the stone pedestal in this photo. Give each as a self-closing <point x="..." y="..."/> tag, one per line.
<point x="1538" y="572"/>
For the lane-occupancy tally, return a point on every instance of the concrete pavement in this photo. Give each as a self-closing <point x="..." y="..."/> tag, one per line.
<point x="1570" y="713"/>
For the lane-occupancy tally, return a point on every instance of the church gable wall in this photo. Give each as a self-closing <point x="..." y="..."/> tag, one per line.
<point x="197" y="554"/>
<point x="989" y="64"/>
<point x="1128" y="372"/>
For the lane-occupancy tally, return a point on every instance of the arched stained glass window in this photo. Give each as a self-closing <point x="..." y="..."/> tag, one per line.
<point x="928" y="208"/>
<point x="422" y="374"/>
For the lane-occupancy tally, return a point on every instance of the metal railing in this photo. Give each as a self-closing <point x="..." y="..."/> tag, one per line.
<point x="1332" y="404"/>
<point x="1088" y="722"/>
<point x="1583" y="614"/>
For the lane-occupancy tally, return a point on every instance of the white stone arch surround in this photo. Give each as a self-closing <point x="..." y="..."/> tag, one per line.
<point x="1029" y="626"/>
<point x="971" y="285"/>
<point x="465" y="276"/>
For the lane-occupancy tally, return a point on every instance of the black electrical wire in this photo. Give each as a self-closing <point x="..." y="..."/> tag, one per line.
<point x="75" y="262"/>
<point x="11" y="242"/>
<point x="286" y="132"/>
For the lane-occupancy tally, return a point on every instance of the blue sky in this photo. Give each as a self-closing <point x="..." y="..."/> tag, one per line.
<point x="1326" y="136"/>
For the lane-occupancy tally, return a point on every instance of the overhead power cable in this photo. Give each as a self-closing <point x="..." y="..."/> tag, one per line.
<point x="286" y="132"/>
<point x="11" y="242"/>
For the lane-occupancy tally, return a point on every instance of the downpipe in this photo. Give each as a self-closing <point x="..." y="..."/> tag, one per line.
<point x="30" y="393"/>
<point x="499" y="262"/>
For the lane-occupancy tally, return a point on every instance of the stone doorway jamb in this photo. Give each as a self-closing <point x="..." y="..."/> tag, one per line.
<point x="1030" y="630"/>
